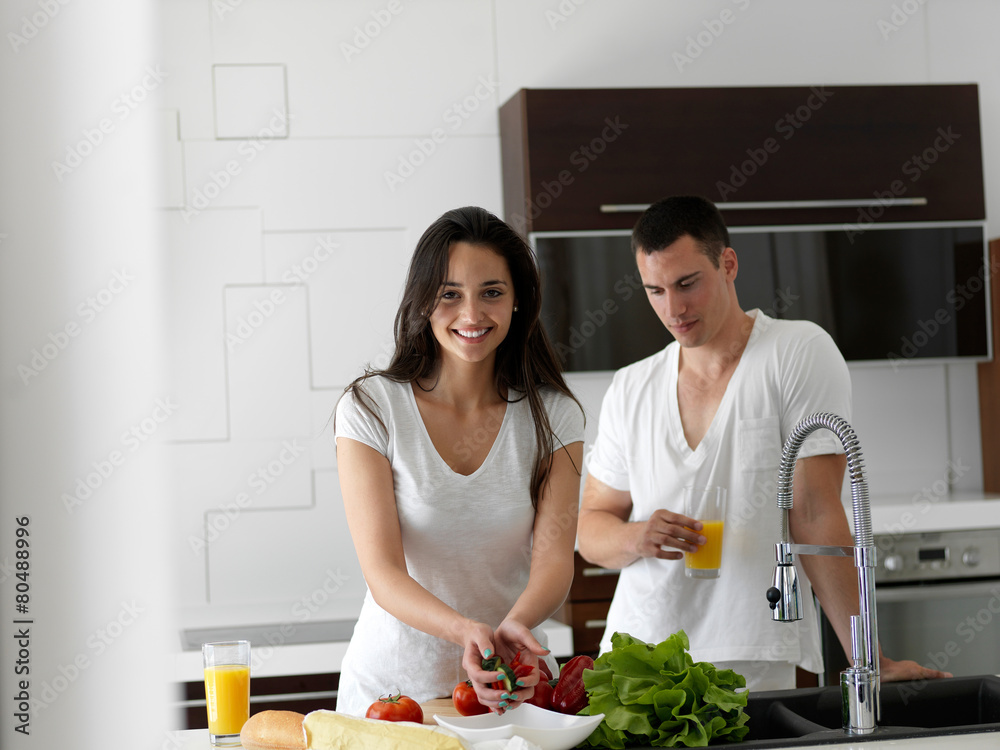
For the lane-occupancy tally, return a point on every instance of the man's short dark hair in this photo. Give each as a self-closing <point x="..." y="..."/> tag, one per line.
<point x="667" y="220"/>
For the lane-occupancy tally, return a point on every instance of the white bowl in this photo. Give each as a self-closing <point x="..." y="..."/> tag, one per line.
<point x="549" y="730"/>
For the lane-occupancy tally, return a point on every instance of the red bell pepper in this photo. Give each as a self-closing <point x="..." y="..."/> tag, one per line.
<point x="521" y="670"/>
<point x="546" y="672"/>
<point x="570" y="696"/>
<point x="543" y="695"/>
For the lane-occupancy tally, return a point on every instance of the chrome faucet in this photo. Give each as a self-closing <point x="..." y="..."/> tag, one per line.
<point x="859" y="683"/>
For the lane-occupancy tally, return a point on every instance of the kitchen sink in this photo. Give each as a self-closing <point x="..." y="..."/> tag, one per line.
<point x="812" y="716"/>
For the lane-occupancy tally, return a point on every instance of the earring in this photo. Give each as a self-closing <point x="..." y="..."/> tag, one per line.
<point x="515" y="308"/>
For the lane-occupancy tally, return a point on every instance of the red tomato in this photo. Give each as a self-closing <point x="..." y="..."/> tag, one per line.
<point x="543" y="695"/>
<point x="396" y="708"/>
<point x="466" y="701"/>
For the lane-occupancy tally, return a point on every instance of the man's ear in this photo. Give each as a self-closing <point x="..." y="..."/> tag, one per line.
<point x="729" y="263"/>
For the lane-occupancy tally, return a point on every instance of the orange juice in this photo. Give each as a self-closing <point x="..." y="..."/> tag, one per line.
<point x="227" y="693"/>
<point x="709" y="555"/>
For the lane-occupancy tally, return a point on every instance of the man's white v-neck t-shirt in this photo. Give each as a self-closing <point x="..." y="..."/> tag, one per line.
<point x="788" y="370"/>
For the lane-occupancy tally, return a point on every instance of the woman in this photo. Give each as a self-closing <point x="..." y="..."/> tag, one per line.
<point x="459" y="468"/>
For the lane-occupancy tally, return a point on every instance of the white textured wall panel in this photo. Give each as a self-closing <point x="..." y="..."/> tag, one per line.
<point x="351" y="310"/>
<point x="373" y="69"/>
<point x="296" y="556"/>
<point x="207" y="251"/>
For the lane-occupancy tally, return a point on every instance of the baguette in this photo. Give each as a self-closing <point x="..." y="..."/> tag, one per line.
<point x="274" y="730"/>
<point x="329" y="730"/>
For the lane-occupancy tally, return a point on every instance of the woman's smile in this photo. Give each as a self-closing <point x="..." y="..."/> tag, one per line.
<point x="473" y="335"/>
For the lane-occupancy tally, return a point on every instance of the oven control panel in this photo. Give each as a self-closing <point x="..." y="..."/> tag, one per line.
<point x="937" y="555"/>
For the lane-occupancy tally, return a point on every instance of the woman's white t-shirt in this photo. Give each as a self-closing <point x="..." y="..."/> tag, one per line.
<point x="466" y="539"/>
<point x="789" y="370"/>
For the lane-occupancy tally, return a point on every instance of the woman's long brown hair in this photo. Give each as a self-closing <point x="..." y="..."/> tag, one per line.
<point x="525" y="360"/>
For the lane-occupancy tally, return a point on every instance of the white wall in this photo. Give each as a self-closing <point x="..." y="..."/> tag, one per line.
<point x="308" y="144"/>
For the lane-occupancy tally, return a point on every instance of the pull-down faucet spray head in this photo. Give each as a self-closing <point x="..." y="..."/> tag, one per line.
<point x="783" y="596"/>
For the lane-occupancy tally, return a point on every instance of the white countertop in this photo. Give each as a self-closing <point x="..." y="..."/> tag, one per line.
<point x="197" y="739"/>
<point x="284" y="658"/>
<point x="910" y="514"/>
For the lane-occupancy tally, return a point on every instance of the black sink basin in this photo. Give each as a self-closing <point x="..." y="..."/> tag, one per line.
<point x="958" y="705"/>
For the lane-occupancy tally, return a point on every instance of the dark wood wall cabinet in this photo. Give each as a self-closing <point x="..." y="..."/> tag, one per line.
<point x="590" y="159"/>
<point x="989" y="386"/>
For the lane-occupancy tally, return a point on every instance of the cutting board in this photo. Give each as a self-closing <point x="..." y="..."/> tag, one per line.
<point x="440" y="706"/>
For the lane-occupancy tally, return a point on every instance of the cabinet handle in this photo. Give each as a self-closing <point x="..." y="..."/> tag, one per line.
<point x="593" y="624"/>
<point x="593" y="572"/>
<point x="308" y="696"/>
<point x="625" y="208"/>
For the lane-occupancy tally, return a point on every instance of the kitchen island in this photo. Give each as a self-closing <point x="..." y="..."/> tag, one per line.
<point x="289" y="647"/>
<point x="294" y="661"/>
<point x="197" y="739"/>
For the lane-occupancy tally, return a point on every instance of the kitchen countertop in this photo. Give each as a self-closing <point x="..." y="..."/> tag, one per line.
<point x="197" y="739"/>
<point x="282" y="655"/>
<point x="916" y="513"/>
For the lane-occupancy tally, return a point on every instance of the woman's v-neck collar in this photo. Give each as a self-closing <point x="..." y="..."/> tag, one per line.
<point x="426" y="436"/>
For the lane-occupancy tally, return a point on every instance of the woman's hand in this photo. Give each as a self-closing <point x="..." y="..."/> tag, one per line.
<point x="668" y="529"/>
<point x="515" y="641"/>
<point x="509" y="640"/>
<point x="479" y="643"/>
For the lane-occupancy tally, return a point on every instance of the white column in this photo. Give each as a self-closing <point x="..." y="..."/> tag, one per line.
<point x="82" y="380"/>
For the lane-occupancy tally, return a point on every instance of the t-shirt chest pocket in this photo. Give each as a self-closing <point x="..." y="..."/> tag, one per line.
<point x="760" y="444"/>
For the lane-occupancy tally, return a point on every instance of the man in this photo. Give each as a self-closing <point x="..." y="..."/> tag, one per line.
<point x="713" y="409"/>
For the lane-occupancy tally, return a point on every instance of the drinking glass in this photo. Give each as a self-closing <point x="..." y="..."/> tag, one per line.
<point x="227" y="690"/>
<point x="708" y="505"/>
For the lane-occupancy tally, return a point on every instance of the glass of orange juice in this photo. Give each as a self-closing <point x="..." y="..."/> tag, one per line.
<point x="708" y="505"/>
<point x="227" y="690"/>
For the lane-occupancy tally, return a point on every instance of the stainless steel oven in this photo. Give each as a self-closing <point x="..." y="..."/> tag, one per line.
<point x="938" y="601"/>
